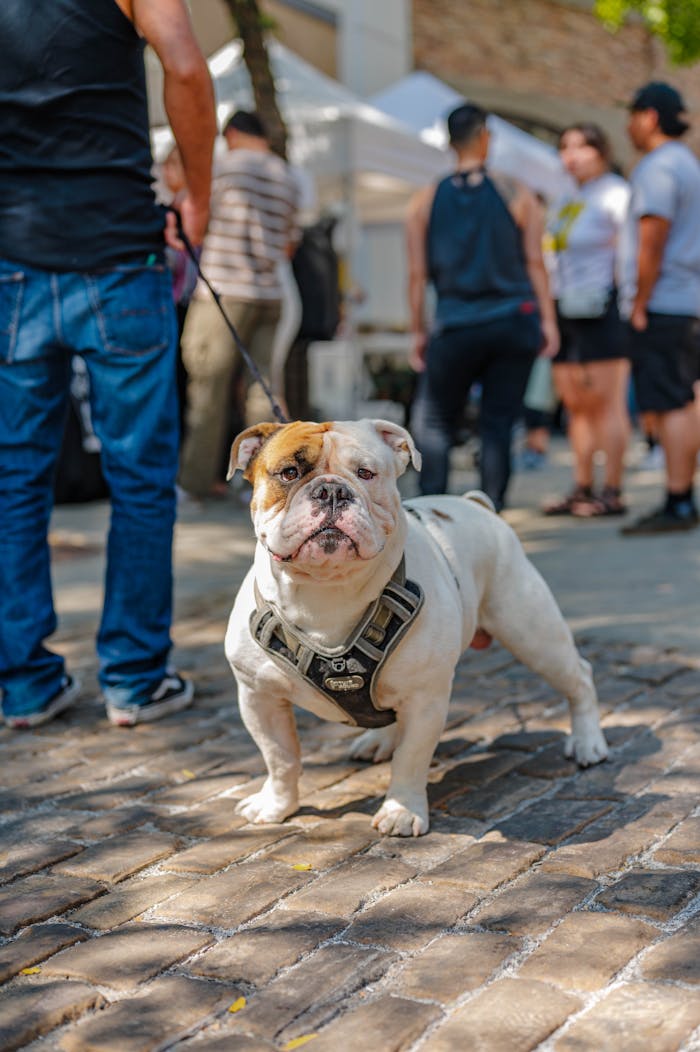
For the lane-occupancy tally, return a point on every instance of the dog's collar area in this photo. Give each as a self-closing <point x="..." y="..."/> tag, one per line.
<point x="345" y="675"/>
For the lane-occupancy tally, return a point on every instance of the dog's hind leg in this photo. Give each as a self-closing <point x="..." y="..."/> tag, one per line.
<point x="376" y="745"/>
<point x="272" y="727"/>
<point x="521" y="613"/>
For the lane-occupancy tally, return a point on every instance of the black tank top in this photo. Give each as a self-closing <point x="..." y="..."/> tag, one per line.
<point x="75" y="158"/>
<point x="476" y="261"/>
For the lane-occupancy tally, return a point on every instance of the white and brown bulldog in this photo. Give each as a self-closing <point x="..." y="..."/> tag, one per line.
<point x="327" y="620"/>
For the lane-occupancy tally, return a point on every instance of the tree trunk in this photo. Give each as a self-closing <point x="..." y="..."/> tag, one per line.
<point x="251" y="24"/>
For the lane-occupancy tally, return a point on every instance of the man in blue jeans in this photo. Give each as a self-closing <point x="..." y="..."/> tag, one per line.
<point x="478" y="240"/>
<point x="82" y="271"/>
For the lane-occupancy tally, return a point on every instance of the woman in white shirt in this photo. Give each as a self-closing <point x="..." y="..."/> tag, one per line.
<point x="591" y="370"/>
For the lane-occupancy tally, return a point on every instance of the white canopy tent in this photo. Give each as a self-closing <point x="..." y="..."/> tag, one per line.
<point x="364" y="165"/>
<point x="356" y="154"/>
<point x="422" y="102"/>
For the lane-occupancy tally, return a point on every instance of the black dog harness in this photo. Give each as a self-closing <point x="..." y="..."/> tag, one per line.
<point x="345" y="675"/>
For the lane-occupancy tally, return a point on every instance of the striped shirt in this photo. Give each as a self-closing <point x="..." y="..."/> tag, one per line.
<point x="253" y="219"/>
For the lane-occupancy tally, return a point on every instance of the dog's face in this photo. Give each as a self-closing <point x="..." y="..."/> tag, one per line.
<point x="324" y="495"/>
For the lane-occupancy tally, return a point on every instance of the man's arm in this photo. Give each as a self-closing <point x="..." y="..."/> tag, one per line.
<point x="653" y="234"/>
<point x="189" y="103"/>
<point x="416" y="231"/>
<point x="528" y="215"/>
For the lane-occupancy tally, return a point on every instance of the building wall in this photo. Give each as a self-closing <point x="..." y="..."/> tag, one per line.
<point x="366" y="44"/>
<point x="313" y="38"/>
<point x="544" y="62"/>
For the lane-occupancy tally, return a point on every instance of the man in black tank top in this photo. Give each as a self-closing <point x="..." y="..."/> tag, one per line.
<point x="478" y="240"/>
<point x="82" y="272"/>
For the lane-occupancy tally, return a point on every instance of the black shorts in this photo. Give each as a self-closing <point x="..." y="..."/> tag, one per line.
<point x="591" y="339"/>
<point x="665" y="359"/>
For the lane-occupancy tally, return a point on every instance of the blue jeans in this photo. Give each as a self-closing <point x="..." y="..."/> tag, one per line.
<point x="500" y="354"/>
<point x="122" y="322"/>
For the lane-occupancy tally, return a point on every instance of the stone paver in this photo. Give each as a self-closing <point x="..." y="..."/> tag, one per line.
<point x="28" y="1012"/>
<point x="38" y="897"/>
<point x="129" y="900"/>
<point x="257" y="953"/>
<point x="346" y="889"/>
<point x="511" y="1013"/>
<point x="411" y="916"/>
<point x="307" y="995"/>
<point x="165" y="1010"/>
<point x="587" y="949"/>
<point x="120" y="857"/>
<point x="453" y="965"/>
<point x="126" y="957"/>
<point x="683" y="845"/>
<point x="549" y="908"/>
<point x="533" y="903"/>
<point x="636" y="1017"/>
<point x="31" y="857"/>
<point x="487" y="864"/>
<point x="35" y="944"/>
<point x="658" y="893"/>
<point x="388" y="1024"/>
<point x="229" y="899"/>
<point x="676" y="957"/>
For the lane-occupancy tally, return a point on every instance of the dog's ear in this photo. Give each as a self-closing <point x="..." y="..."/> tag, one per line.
<point x="246" y="447"/>
<point x="399" y="440"/>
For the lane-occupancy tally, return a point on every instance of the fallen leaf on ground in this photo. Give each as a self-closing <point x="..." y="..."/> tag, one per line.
<point x="297" y="1042"/>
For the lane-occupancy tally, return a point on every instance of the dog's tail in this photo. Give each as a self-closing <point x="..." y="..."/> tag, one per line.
<point x="480" y="498"/>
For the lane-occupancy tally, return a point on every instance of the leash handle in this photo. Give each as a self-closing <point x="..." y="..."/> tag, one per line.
<point x="252" y="367"/>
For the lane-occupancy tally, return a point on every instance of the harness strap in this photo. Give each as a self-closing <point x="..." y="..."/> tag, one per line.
<point x="346" y="675"/>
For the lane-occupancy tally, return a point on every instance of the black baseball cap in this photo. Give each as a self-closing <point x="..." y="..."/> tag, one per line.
<point x="667" y="102"/>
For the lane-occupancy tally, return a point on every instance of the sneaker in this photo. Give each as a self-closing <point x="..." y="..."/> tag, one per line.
<point x="663" y="520"/>
<point x="653" y="460"/>
<point x="64" y="697"/>
<point x="532" y="459"/>
<point x="173" y="694"/>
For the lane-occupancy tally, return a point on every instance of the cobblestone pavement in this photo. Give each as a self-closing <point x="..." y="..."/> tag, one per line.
<point x="548" y="908"/>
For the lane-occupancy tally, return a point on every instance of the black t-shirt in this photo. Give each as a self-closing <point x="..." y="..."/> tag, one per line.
<point x="75" y="158"/>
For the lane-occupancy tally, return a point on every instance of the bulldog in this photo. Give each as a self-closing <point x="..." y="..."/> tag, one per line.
<point x="358" y="608"/>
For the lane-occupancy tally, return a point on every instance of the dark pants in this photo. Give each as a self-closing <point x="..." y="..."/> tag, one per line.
<point x="497" y="353"/>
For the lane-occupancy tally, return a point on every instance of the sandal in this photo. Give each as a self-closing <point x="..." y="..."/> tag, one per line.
<point x="567" y="505"/>
<point x="608" y="503"/>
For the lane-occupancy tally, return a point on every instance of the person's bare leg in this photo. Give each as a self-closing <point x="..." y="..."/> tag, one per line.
<point x="538" y="439"/>
<point x="679" y="433"/>
<point x="569" y="381"/>
<point x="611" y="421"/>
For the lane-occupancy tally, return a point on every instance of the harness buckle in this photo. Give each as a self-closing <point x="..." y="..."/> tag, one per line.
<point x="374" y="634"/>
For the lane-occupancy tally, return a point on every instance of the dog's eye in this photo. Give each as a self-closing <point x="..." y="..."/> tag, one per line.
<point x="365" y="473"/>
<point x="289" y="474"/>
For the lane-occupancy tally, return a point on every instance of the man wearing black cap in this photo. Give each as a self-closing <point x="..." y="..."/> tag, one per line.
<point x="661" y="294"/>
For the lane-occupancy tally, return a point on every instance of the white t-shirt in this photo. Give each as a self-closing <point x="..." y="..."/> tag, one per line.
<point x="583" y="235"/>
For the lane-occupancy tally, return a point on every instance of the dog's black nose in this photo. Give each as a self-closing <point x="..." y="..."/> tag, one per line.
<point x="332" y="494"/>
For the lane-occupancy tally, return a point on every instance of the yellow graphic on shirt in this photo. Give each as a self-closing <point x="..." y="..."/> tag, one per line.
<point x="557" y="237"/>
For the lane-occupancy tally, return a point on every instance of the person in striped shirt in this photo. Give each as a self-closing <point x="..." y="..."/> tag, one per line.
<point x="253" y="226"/>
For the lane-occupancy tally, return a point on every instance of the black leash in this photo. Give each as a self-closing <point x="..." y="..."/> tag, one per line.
<point x="252" y="367"/>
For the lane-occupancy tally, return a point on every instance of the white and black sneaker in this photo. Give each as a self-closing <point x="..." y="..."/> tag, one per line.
<point x="173" y="694"/>
<point x="62" y="699"/>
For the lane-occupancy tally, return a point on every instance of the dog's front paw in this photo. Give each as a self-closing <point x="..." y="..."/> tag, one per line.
<point x="267" y="806"/>
<point x="586" y="744"/>
<point x="394" y="819"/>
<point x="375" y="745"/>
